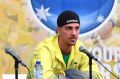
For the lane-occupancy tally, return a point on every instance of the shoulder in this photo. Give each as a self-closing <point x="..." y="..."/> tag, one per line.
<point x="79" y="43"/>
<point x="48" y="42"/>
<point x="77" y="46"/>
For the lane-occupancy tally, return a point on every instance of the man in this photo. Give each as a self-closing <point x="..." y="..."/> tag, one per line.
<point x="60" y="53"/>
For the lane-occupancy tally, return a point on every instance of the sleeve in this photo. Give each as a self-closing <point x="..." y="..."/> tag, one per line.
<point x="42" y="54"/>
<point x="84" y="66"/>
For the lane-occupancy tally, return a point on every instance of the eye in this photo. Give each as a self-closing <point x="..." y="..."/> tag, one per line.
<point x="68" y="28"/>
<point x="77" y="28"/>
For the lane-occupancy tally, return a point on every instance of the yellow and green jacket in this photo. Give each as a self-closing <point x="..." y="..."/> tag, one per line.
<point x="50" y="55"/>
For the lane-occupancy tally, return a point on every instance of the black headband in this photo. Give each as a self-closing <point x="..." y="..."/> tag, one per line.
<point x="67" y="17"/>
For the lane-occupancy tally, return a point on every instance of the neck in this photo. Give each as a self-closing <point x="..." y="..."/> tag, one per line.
<point x="65" y="49"/>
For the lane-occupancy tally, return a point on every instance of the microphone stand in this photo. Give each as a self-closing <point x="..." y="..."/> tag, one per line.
<point x="90" y="67"/>
<point x="17" y="60"/>
<point x="16" y="68"/>
<point x="90" y="55"/>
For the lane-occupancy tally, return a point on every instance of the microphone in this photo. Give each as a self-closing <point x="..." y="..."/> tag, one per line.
<point x="89" y="54"/>
<point x="11" y="52"/>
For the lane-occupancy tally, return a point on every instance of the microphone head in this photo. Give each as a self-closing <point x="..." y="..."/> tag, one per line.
<point x="7" y="49"/>
<point x="81" y="48"/>
<point x="89" y="54"/>
<point x="84" y="50"/>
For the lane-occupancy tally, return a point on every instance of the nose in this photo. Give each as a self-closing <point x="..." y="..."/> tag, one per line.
<point x="74" y="32"/>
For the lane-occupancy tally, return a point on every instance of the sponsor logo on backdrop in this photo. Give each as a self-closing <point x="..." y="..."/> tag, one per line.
<point x="93" y="13"/>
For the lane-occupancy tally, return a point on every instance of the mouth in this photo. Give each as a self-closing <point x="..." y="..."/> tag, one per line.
<point x="73" y="39"/>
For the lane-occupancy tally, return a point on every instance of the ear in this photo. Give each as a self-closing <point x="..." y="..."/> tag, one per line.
<point x="58" y="30"/>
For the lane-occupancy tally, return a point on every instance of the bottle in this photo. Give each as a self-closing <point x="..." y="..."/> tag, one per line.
<point x="38" y="70"/>
<point x="119" y="70"/>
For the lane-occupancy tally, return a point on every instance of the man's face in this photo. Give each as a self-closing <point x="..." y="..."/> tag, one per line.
<point x="68" y="33"/>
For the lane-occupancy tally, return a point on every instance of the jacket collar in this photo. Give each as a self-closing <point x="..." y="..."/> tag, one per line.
<point x="59" y="54"/>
